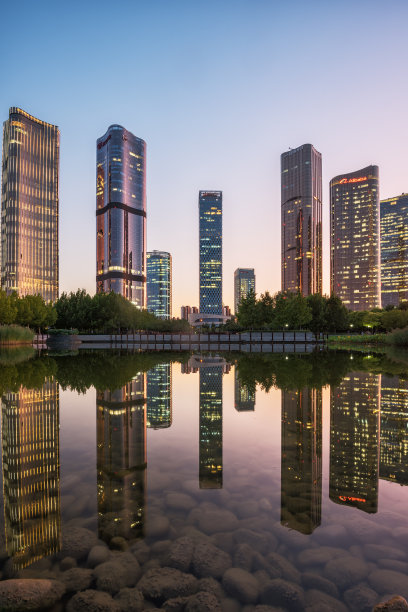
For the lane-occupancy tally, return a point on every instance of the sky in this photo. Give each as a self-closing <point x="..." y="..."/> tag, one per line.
<point x="218" y="89"/>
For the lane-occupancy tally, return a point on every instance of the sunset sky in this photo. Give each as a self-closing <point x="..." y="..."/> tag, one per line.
<point x="218" y="89"/>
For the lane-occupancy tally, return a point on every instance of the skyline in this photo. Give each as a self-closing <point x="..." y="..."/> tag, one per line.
<point x="211" y="116"/>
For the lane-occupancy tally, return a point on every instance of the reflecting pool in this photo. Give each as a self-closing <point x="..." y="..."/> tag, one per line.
<point x="206" y="481"/>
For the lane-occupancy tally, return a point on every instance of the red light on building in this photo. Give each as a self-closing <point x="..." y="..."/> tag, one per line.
<point x="357" y="179"/>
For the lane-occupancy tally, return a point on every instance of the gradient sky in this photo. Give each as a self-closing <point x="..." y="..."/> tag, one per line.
<point x="218" y="89"/>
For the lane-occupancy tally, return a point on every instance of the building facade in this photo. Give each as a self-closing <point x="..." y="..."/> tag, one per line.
<point x="121" y="215"/>
<point x="185" y="311"/>
<point x="159" y="292"/>
<point x="394" y="429"/>
<point x="244" y="282"/>
<point x="355" y="239"/>
<point x="301" y="213"/>
<point x="210" y="239"/>
<point x="394" y="250"/>
<point x="30" y="206"/>
<point x="159" y="396"/>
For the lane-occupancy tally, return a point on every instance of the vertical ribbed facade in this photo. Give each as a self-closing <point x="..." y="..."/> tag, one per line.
<point x="394" y="250"/>
<point x="31" y="473"/>
<point x="244" y="282"/>
<point x="301" y="220"/>
<point x="30" y="206"/>
<point x="210" y="473"/>
<point x="210" y="239"/>
<point x="121" y="215"/>
<point x="159" y="396"/>
<point x="355" y="239"/>
<point x="159" y="290"/>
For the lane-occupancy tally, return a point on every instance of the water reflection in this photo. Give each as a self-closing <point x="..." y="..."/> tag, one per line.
<point x="159" y="397"/>
<point x="354" y="441"/>
<point x="31" y="473"/>
<point x="243" y="394"/>
<point x="121" y="460"/>
<point x="301" y="463"/>
<point x="394" y="429"/>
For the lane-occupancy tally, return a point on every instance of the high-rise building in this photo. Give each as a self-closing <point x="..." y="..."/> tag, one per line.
<point x="31" y="473"/>
<point x="244" y="282"/>
<point x="210" y="230"/>
<point x="188" y="310"/>
<point x="121" y="460"/>
<point x="29" y="206"/>
<point x="159" y="290"/>
<point x="301" y="464"/>
<point x="121" y="215"/>
<point x="354" y="441"/>
<point x="355" y="239"/>
<point x="394" y="250"/>
<point x="159" y="398"/>
<point x="244" y="396"/>
<point x="301" y="200"/>
<point x="394" y="429"/>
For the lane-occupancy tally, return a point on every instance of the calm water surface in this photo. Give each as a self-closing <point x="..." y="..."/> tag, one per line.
<point x="293" y="467"/>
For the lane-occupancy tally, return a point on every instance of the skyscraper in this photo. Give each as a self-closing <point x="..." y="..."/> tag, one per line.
<point x="159" y="291"/>
<point x="210" y="230"/>
<point x="355" y="239"/>
<point x="121" y="460"/>
<point x="159" y="397"/>
<point x="354" y="441"/>
<point x="29" y="206"/>
<point x="31" y="473"/>
<point x="301" y="464"/>
<point x="301" y="201"/>
<point x="121" y="215"/>
<point x="394" y="250"/>
<point x="244" y="282"/>
<point x="394" y="429"/>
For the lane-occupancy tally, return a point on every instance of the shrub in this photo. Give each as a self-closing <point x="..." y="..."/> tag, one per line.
<point x="14" y="334"/>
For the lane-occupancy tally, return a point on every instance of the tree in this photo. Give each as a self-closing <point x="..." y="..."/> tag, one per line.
<point x="8" y="308"/>
<point x="247" y="313"/>
<point x="318" y="306"/>
<point x="337" y="315"/>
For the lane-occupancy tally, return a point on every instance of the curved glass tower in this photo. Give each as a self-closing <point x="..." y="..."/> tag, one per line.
<point x="121" y="215"/>
<point x="29" y="206"/>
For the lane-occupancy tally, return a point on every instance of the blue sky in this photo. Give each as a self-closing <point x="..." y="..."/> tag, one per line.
<point x="218" y="90"/>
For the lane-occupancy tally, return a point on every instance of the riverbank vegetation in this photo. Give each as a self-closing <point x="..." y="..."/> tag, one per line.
<point x="15" y="334"/>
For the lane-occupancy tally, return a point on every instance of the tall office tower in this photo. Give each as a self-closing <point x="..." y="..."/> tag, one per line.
<point x="159" y="291"/>
<point x="394" y="429"/>
<point x="121" y="215"/>
<point x="354" y="441"/>
<point x="121" y="460"/>
<point x="29" y="206"/>
<point x="187" y="310"/>
<point x="31" y="473"/>
<point x="210" y="212"/>
<point x="355" y="239"/>
<point x="301" y="464"/>
<point x="301" y="199"/>
<point x="159" y="398"/>
<point x="394" y="250"/>
<point x="244" y="395"/>
<point x="244" y="282"/>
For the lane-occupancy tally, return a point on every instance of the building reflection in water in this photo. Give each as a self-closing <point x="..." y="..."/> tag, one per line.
<point x="301" y="463"/>
<point x="121" y="460"/>
<point x="159" y="397"/>
<point x="354" y="441"/>
<point x="31" y="473"/>
<point x="211" y="371"/>
<point x="244" y="396"/>
<point x="394" y="429"/>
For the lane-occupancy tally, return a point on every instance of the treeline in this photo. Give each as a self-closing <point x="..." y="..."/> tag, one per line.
<point x="108" y="312"/>
<point x="288" y="310"/>
<point x="102" y="313"/>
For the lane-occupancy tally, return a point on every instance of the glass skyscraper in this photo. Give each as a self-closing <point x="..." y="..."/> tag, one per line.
<point x="159" y="397"/>
<point x="159" y="284"/>
<point x="355" y="239"/>
<point x="210" y="212"/>
<point x="394" y="250"/>
<point x="301" y="212"/>
<point x="29" y="206"/>
<point x="244" y="282"/>
<point x="121" y="215"/>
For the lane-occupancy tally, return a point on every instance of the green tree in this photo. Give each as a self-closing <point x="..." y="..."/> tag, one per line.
<point x="337" y="315"/>
<point x="318" y="306"/>
<point x="8" y="308"/>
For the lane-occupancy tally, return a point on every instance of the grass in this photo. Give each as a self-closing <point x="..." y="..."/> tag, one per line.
<point x="14" y="334"/>
<point x="398" y="337"/>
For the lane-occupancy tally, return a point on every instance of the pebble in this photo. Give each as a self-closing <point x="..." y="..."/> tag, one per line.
<point x="203" y="602"/>
<point x="346" y="571"/>
<point x="157" y="526"/>
<point x="181" y="554"/>
<point x="388" y="581"/>
<point x="280" y="592"/>
<point x="77" y="579"/>
<point x="282" y="568"/>
<point x="130" y="600"/>
<point x="92" y="601"/>
<point x="164" y="583"/>
<point x="318" y="601"/>
<point x="315" y="581"/>
<point x="360" y="598"/>
<point x="213" y="521"/>
<point x="208" y="560"/>
<point x="395" y="604"/>
<point x="30" y="594"/>
<point x="121" y="571"/>
<point x="67" y="563"/>
<point x="97" y="555"/>
<point x="77" y="542"/>
<point x="180" y="501"/>
<point x="319" y="556"/>
<point x="244" y="556"/>
<point x="241" y="585"/>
